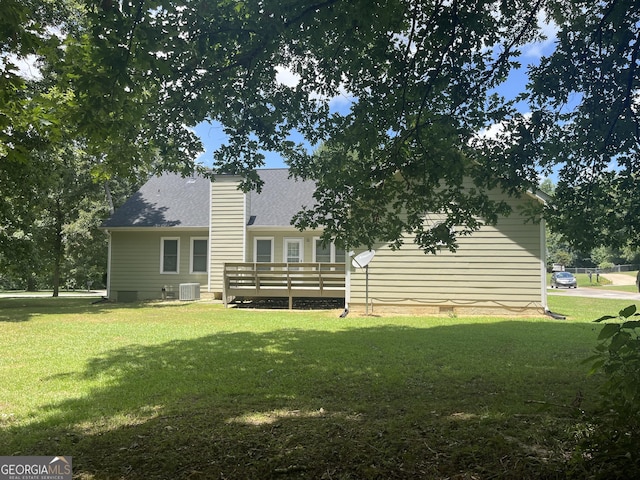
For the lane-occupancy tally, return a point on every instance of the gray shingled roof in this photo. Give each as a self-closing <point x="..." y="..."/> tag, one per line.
<point x="165" y="201"/>
<point x="172" y="201"/>
<point x="280" y="199"/>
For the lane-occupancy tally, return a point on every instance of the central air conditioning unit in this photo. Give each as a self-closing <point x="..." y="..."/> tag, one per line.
<point x="189" y="291"/>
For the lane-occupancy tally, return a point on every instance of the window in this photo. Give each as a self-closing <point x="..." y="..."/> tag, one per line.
<point x="199" y="255"/>
<point x="293" y="250"/>
<point x="263" y="250"/>
<point x="323" y="252"/>
<point x="169" y="255"/>
<point x="328" y="253"/>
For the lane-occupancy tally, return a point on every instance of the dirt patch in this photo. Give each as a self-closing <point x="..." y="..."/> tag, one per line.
<point x="619" y="278"/>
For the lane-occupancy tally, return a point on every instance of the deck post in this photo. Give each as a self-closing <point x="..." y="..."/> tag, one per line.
<point x="289" y="288"/>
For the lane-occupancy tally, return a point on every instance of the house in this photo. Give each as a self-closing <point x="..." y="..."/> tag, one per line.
<point x="190" y="233"/>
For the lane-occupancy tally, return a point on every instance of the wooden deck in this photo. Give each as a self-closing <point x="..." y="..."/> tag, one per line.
<point x="283" y="280"/>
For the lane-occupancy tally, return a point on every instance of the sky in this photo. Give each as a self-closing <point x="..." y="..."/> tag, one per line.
<point x="212" y="134"/>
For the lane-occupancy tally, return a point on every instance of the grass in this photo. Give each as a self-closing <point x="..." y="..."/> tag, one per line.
<point x="160" y="391"/>
<point x="583" y="309"/>
<point x="623" y="288"/>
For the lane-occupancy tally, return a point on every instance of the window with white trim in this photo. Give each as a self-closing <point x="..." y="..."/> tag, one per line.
<point x="169" y="255"/>
<point x="322" y="253"/>
<point x="263" y="249"/>
<point x="328" y="253"/>
<point x="199" y="255"/>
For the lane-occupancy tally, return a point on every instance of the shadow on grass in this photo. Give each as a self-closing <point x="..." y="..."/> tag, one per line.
<point x="380" y="402"/>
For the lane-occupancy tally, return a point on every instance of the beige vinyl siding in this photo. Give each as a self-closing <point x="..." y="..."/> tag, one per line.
<point x="497" y="267"/>
<point x="278" y="236"/>
<point x="135" y="264"/>
<point x="227" y="227"/>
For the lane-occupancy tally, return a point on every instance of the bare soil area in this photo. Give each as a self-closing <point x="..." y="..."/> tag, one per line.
<point x="620" y="279"/>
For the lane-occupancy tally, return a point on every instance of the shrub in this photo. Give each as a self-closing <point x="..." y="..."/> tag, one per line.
<point x="611" y="446"/>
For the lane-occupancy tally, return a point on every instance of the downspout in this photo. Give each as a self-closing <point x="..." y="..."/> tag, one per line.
<point x="210" y="242"/>
<point x="347" y="281"/>
<point x="246" y="205"/>
<point x="543" y="271"/>
<point x="543" y="264"/>
<point x="108" y="264"/>
<point x="543" y="258"/>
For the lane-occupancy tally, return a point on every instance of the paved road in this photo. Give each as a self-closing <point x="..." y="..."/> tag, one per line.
<point x="76" y="294"/>
<point x="600" y="292"/>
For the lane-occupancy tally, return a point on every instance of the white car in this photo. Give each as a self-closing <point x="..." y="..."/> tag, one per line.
<point x="563" y="279"/>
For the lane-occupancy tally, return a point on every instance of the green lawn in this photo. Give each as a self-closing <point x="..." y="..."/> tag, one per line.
<point x="177" y="391"/>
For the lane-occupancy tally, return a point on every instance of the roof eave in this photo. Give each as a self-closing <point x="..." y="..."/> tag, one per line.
<point x="152" y="228"/>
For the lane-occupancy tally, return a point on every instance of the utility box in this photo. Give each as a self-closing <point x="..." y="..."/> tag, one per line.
<point x="189" y="291"/>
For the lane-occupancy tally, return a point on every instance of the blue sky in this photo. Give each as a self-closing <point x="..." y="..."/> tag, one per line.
<point x="212" y="136"/>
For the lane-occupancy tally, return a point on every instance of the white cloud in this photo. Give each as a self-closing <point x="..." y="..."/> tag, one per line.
<point x="25" y="67"/>
<point x="543" y="47"/>
<point x="286" y="77"/>
<point x="493" y="132"/>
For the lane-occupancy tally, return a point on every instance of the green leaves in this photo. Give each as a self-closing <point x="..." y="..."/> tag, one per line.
<point x="608" y="331"/>
<point x="397" y="90"/>
<point x="589" y="88"/>
<point x="613" y="437"/>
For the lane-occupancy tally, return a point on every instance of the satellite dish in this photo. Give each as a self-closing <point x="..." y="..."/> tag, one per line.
<point x="362" y="259"/>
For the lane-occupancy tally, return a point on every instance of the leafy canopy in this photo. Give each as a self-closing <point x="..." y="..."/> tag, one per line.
<point x="420" y="78"/>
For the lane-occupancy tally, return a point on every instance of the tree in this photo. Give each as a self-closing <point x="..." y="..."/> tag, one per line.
<point x="126" y="110"/>
<point x="27" y="118"/>
<point x="53" y="239"/>
<point x="52" y="188"/>
<point x="67" y="194"/>
<point x="422" y="73"/>
<point x="29" y="122"/>
<point x="421" y="77"/>
<point x="585" y="101"/>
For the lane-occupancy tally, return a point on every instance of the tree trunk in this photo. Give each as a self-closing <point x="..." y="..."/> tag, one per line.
<point x="107" y="192"/>
<point x="57" y="249"/>
<point x="31" y="283"/>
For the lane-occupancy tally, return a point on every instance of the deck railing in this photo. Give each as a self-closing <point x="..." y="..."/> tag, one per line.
<point x="288" y="280"/>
